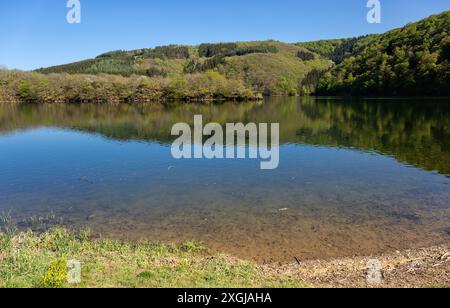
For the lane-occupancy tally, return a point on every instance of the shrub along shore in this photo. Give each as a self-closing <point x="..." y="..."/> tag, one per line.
<point x="32" y="87"/>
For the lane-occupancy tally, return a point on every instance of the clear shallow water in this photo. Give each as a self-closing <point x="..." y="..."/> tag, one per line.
<point x="356" y="177"/>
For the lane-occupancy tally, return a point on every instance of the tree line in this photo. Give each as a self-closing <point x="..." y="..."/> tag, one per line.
<point x="78" y="88"/>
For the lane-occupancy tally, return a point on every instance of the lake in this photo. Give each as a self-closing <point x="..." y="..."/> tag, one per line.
<point x="356" y="176"/>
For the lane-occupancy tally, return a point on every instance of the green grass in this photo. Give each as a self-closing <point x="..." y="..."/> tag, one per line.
<point x="30" y="260"/>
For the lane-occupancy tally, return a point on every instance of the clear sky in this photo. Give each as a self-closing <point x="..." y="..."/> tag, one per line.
<point x="35" y="33"/>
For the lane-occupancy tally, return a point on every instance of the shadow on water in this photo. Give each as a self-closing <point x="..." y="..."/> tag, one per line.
<point x="356" y="176"/>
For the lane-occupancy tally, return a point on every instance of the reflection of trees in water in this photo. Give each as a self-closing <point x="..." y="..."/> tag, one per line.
<point x="413" y="131"/>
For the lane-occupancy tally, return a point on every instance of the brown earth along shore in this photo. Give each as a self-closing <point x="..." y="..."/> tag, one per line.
<point x="415" y="268"/>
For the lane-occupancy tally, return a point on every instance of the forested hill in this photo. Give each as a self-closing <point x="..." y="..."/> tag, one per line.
<point x="269" y="67"/>
<point x="337" y="50"/>
<point x="413" y="60"/>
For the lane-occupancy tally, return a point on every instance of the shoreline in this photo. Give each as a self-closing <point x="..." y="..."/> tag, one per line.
<point x="211" y="100"/>
<point x="110" y="263"/>
<point x="413" y="268"/>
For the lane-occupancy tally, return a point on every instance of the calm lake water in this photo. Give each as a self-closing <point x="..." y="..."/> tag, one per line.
<point x="355" y="176"/>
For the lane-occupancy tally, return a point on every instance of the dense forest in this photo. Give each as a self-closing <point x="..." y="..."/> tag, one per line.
<point x="336" y="50"/>
<point x="413" y="60"/>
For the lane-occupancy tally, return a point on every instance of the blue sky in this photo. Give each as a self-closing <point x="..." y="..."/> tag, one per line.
<point x="35" y="33"/>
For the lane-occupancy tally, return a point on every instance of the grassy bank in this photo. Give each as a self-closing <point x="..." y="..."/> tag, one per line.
<point x="39" y="260"/>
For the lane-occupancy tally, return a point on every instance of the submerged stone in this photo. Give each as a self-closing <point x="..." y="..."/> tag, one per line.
<point x="447" y="231"/>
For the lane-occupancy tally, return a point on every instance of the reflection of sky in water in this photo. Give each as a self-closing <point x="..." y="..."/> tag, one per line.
<point x="138" y="184"/>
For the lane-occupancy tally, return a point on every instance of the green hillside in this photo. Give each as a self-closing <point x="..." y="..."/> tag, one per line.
<point x="413" y="60"/>
<point x="269" y="67"/>
<point x="337" y="50"/>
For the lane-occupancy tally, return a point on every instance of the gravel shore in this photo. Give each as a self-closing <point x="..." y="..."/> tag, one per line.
<point x="417" y="268"/>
